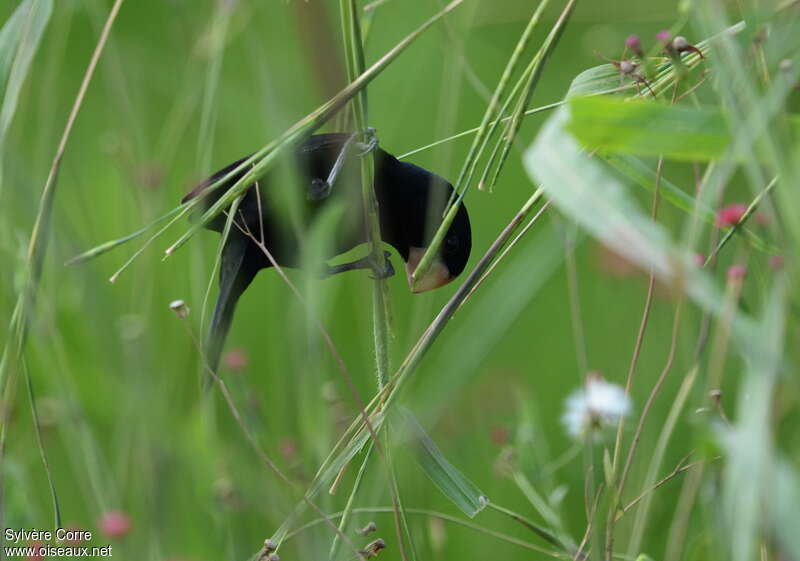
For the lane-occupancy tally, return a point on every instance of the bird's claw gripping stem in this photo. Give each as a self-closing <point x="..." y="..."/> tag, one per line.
<point x="371" y="142"/>
<point x="321" y="188"/>
<point x="379" y="271"/>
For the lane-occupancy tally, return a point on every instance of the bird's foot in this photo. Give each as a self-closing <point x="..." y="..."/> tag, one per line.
<point x="383" y="271"/>
<point x="370" y="143"/>
<point x="319" y="189"/>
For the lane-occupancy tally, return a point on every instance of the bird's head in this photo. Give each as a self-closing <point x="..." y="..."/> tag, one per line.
<point x="412" y="202"/>
<point x="450" y="259"/>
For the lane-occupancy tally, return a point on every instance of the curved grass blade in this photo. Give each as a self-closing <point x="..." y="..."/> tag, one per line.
<point x="451" y="482"/>
<point x="37" y="428"/>
<point x="19" y="41"/>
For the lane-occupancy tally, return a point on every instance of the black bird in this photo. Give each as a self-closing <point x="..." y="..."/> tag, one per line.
<point x="326" y="169"/>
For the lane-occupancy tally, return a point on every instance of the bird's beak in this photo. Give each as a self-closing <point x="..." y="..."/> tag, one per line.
<point x="438" y="274"/>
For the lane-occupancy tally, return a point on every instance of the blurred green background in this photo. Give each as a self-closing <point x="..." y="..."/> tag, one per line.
<point x="124" y="424"/>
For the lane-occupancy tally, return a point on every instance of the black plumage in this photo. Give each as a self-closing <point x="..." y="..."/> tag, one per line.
<point x="411" y="201"/>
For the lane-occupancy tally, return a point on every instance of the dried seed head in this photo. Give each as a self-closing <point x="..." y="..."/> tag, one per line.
<point x="373" y="548"/>
<point x="270" y="546"/>
<point x="715" y="395"/>
<point x="785" y="65"/>
<point x="626" y="67"/>
<point x="368" y="529"/>
<point x="180" y="308"/>
<point x="680" y="43"/>
<point x="273" y="557"/>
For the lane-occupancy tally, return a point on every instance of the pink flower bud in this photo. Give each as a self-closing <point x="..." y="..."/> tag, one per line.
<point x="699" y="259"/>
<point x="114" y="524"/>
<point x="36" y="549"/>
<point x="736" y="272"/>
<point x="235" y="360"/>
<point x="730" y="215"/>
<point x="664" y="36"/>
<point x="776" y="262"/>
<point x="634" y="43"/>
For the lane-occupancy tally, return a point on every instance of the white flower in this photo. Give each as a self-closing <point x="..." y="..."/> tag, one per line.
<point x="598" y="404"/>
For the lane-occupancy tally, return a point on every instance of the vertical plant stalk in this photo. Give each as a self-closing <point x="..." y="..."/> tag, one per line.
<point x="354" y="56"/>
<point x="615" y="492"/>
<point x="37" y="248"/>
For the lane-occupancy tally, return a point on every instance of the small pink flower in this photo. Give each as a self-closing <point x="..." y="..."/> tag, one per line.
<point x="730" y="215"/>
<point x="114" y="524"/>
<point x="288" y="447"/>
<point x="664" y="36"/>
<point x="776" y="262"/>
<point x="699" y="259"/>
<point x="736" y="272"/>
<point x="635" y="44"/>
<point x="499" y="435"/>
<point x="235" y="359"/>
<point x="36" y="555"/>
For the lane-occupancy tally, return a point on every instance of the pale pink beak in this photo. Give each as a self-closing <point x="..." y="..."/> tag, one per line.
<point x="438" y="274"/>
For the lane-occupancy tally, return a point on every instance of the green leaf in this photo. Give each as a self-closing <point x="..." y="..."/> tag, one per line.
<point x="648" y="128"/>
<point x="597" y="79"/>
<point x="582" y="188"/>
<point x="450" y="481"/>
<point x="19" y="40"/>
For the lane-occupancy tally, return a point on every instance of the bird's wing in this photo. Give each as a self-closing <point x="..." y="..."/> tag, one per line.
<point x="202" y="186"/>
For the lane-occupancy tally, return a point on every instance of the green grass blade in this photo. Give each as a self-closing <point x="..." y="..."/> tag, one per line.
<point x="489" y="121"/>
<point x="513" y="127"/>
<point x="19" y="41"/>
<point x="99" y="250"/>
<point x="42" y="453"/>
<point x="451" y="482"/>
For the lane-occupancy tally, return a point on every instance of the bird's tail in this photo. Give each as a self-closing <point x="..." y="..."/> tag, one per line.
<point x="235" y="276"/>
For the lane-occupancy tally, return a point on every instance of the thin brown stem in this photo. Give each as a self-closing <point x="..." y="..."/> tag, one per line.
<point x="680" y="468"/>
<point x="652" y="397"/>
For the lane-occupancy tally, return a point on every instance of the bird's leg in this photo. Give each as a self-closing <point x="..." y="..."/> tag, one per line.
<point x="381" y="272"/>
<point x="321" y="188"/>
